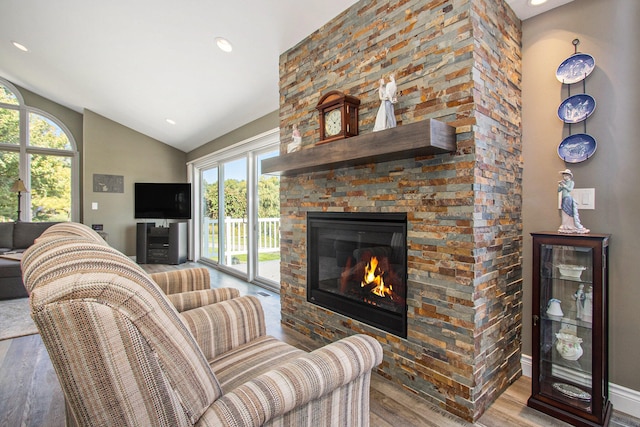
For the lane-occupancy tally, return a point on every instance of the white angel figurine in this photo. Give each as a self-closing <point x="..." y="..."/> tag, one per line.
<point x="386" y="119"/>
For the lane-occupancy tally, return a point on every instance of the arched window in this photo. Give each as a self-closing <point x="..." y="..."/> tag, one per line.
<point x="37" y="149"/>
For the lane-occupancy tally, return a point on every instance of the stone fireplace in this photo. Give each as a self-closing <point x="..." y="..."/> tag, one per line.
<point x="457" y="61"/>
<point x="357" y="267"/>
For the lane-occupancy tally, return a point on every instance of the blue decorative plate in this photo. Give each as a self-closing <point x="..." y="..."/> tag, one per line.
<point x="577" y="148"/>
<point x="576" y="108"/>
<point x="575" y="68"/>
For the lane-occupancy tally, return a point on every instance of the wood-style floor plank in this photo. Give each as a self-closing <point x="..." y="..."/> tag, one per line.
<point x="30" y="393"/>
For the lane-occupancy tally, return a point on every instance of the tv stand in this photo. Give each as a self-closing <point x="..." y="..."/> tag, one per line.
<point x="161" y="245"/>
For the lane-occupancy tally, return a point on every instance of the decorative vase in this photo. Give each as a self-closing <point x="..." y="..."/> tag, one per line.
<point x="568" y="345"/>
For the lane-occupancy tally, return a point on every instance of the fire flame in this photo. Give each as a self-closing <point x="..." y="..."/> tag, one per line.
<point x="374" y="277"/>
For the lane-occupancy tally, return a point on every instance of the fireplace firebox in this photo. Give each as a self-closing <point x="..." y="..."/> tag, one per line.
<point x="357" y="266"/>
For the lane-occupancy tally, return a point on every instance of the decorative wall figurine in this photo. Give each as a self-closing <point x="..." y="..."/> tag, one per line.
<point x="570" y="217"/>
<point x="386" y="118"/>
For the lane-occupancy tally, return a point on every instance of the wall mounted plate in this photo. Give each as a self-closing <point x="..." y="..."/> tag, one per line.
<point x="576" y="108"/>
<point x="577" y="148"/>
<point x="575" y="68"/>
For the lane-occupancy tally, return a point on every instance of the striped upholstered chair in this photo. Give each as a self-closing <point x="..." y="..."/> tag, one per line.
<point x="125" y="355"/>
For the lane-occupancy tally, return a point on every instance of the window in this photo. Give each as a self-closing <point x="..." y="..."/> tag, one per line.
<point x="38" y="149"/>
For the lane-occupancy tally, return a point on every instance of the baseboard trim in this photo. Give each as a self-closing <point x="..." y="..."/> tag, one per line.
<point x="622" y="398"/>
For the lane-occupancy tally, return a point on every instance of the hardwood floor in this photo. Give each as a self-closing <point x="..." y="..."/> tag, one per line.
<point x="30" y="394"/>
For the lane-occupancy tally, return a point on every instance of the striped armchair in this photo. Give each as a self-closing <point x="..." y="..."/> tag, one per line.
<point x="125" y="355"/>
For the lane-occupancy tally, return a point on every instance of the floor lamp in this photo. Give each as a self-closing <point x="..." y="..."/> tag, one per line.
<point x="18" y="187"/>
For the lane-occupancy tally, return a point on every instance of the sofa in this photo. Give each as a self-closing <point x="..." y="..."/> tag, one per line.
<point x="15" y="237"/>
<point x="126" y="353"/>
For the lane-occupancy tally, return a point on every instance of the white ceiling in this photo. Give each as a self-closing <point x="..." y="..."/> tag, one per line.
<point x="140" y="62"/>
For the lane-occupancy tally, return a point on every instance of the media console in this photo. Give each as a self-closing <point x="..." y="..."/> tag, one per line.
<point x="161" y="245"/>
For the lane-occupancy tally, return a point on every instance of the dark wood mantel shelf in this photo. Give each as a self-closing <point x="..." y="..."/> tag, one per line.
<point x="415" y="139"/>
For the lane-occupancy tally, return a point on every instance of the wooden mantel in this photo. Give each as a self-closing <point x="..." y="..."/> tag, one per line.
<point x="415" y="139"/>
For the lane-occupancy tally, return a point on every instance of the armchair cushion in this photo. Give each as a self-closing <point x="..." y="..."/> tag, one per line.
<point x="247" y="361"/>
<point x="334" y="376"/>
<point x="189" y="300"/>
<point x="218" y="328"/>
<point x="176" y="281"/>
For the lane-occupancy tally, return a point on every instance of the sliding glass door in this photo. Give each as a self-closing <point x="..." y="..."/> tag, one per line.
<point x="209" y="241"/>
<point x="239" y="215"/>
<point x="268" y="235"/>
<point x="233" y="218"/>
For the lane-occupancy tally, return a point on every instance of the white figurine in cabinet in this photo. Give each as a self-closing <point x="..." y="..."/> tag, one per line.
<point x="579" y="296"/>
<point x="554" y="311"/>
<point x="587" y="309"/>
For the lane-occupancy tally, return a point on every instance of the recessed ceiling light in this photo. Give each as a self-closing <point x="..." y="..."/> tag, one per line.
<point x="19" y="46"/>
<point x="224" y="44"/>
<point x="171" y="122"/>
<point x="537" y="2"/>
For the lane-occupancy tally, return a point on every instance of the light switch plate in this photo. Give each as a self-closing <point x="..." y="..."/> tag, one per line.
<point x="94" y="206"/>
<point x="585" y="197"/>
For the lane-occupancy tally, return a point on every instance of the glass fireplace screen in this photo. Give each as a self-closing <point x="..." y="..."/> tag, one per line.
<point x="357" y="266"/>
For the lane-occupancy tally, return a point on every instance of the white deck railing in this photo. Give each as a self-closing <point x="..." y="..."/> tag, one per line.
<point x="236" y="235"/>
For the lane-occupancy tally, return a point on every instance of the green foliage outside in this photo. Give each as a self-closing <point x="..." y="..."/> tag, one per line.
<point x="50" y="186"/>
<point x="8" y="174"/>
<point x="235" y="196"/>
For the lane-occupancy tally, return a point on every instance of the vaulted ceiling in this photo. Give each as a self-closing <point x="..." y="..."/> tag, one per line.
<point x="144" y="62"/>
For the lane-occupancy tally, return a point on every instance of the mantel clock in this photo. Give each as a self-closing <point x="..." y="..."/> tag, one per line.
<point x="338" y="116"/>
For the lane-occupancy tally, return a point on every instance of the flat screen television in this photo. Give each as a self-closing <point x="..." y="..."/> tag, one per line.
<point x="162" y="200"/>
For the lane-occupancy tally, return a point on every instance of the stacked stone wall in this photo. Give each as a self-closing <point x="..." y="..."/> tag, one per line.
<point x="455" y="61"/>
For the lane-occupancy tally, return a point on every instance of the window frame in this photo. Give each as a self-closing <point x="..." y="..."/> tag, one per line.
<point x="24" y="150"/>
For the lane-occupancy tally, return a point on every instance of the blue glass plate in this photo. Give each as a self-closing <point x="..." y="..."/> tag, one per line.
<point x="577" y="148"/>
<point x="576" y="108"/>
<point x="575" y="68"/>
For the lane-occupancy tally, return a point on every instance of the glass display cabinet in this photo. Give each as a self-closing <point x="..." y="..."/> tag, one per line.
<point x="570" y="378"/>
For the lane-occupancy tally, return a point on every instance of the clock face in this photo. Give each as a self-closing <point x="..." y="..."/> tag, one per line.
<point x="333" y="122"/>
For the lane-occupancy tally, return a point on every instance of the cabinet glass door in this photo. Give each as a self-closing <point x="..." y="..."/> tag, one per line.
<point x="566" y="319"/>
